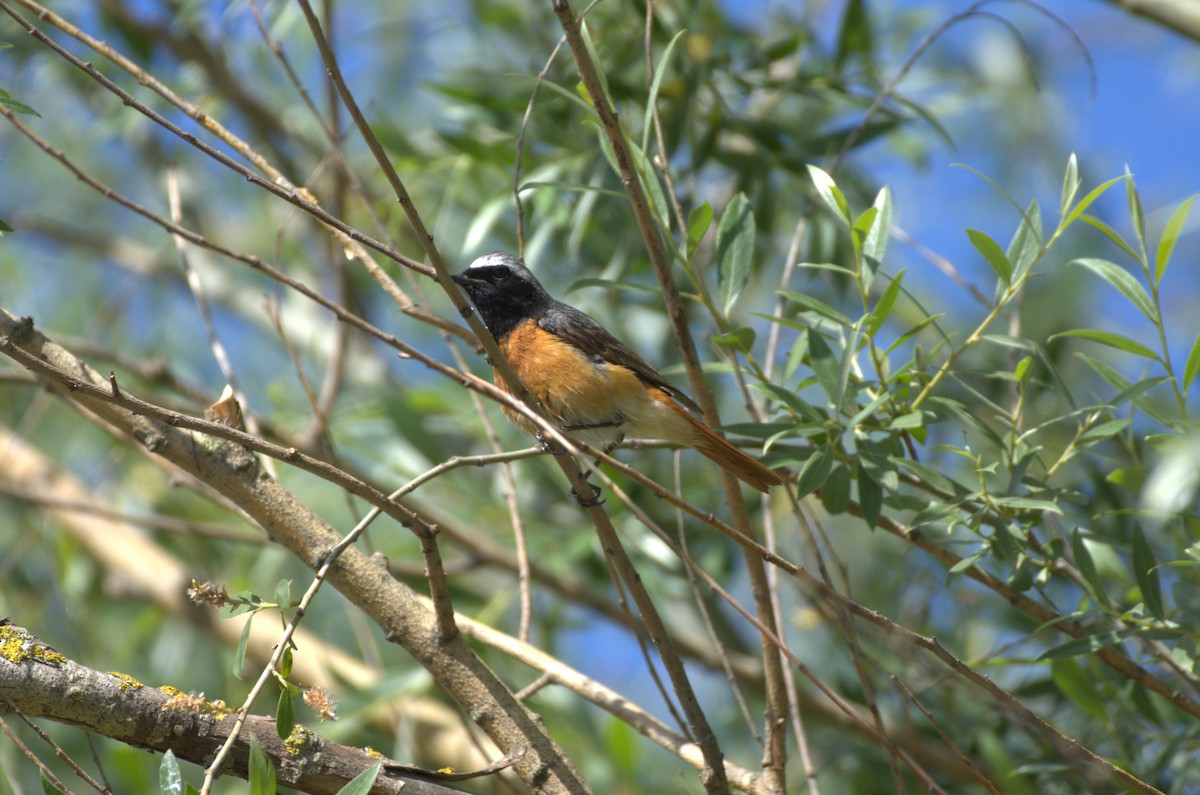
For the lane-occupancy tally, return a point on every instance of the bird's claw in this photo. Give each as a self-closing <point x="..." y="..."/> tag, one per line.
<point x="589" y="502"/>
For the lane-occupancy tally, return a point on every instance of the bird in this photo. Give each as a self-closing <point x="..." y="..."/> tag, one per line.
<point x="593" y="386"/>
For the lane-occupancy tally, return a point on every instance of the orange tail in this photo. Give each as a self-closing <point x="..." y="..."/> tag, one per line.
<point x="728" y="457"/>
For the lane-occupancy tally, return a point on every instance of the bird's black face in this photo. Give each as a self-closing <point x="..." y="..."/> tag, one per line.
<point x="503" y="290"/>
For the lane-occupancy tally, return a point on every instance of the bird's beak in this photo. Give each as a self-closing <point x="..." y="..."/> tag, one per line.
<point x="462" y="279"/>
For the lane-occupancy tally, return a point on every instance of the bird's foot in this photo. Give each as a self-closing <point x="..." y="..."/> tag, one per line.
<point x="591" y="502"/>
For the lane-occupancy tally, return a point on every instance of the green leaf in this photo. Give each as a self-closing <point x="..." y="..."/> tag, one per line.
<point x="699" y="220"/>
<point x="835" y="494"/>
<point x="15" y="105"/>
<point x="1027" y="504"/>
<point x="816" y="305"/>
<point x="870" y="495"/>
<point x="285" y="713"/>
<point x="4" y="227"/>
<point x="285" y="662"/>
<point x="735" y="249"/>
<point x="1192" y="368"/>
<point x="1104" y="430"/>
<point x="1170" y="236"/>
<point x="48" y="787"/>
<point x="1026" y="244"/>
<point x="283" y="593"/>
<point x="1073" y="648"/>
<point x="1135" y="210"/>
<point x="883" y="307"/>
<point x="829" y="193"/>
<point x="1087" y="568"/>
<point x="969" y="560"/>
<point x="876" y="241"/>
<point x="1110" y="233"/>
<point x="814" y="471"/>
<point x="825" y="364"/>
<point x="740" y="339"/>
<point x="1124" y="281"/>
<point x="239" y="656"/>
<point x="1086" y="201"/>
<point x="170" y="778"/>
<point x="659" y="71"/>
<point x="913" y="330"/>
<point x="1071" y="184"/>
<point x="611" y="284"/>
<point x="992" y="252"/>
<point x="1147" y="575"/>
<point x="1079" y="687"/>
<point x="262" y="772"/>
<point x="1112" y="340"/>
<point x="363" y="782"/>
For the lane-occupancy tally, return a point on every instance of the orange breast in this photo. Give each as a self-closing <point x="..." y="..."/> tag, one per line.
<point x="574" y="388"/>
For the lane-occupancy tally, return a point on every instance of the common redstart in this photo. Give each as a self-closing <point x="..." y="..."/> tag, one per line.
<point x="594" y="387"/>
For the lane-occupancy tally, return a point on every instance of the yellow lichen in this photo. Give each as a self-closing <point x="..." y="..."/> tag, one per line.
<point x="17" y="645"/>
<point x="172" y="691"/>
<point x="297" y="740"/>
<point x="371" y="752"/>
<point x="127" y="682"/>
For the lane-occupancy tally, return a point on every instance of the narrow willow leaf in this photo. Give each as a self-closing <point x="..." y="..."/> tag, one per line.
<point x="876" y="242"/>
<point x="1026" y="244"/>
<point x="699" y="221"/>
<point x="825" y="364"/>
<point x="835" y="493"/>
<point x="1079" y="687"/>
<point x="1124" y="281"/>
<point x="363" y="782"/>
<point x="870" y="496"/>
<point x="740" y="339"/>
<point x="735" y="249"/>
<point x="1136" y="215"/>
<point x="1087" y="568"/>
<point x="1104" y="430"/>
<point x="883" y="307"/>
<point x="659" y="71"/>
<point x="1070" y="184"/>
<point x="1170" y="236"/>
<point x="1112" y="340"/>
<point x="991" y="252"/>
<point x="1086" y="201"/>
<point x="816" y="305"/>
<point x="1192" y="368"/>
<point x="262" y="772"/>
<point x="814" y="471"/>
<point x="1146" y="573"/>
<point x="1110" y="233"/>
<point x="239" y="656"/>
<point x="1027" y="504"/>
<point x="1073" y="648"/>
<point x="285" y="714"/>
<point x="827" y="189"/>
<point x="170" y="778"/>
<point x="15" y="105"/>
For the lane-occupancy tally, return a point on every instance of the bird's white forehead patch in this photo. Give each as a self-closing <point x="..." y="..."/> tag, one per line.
<point x="496" y="258"/>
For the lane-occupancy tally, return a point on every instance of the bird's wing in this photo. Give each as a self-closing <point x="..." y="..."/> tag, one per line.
<point x="580" y="330"/>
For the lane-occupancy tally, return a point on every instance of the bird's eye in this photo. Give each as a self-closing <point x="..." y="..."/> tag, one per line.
<point x="500" y="275"/>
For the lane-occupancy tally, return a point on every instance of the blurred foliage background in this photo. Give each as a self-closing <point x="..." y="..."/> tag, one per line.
<point x="1053" y="447"/>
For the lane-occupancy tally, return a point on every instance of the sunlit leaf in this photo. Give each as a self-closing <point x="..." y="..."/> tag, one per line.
<point x="828" y="190"/>
<point x="1071" y="184"/>
<point x="1170" y="235"/>
<point x="1079" y="687"/>
<point x="814" y="471"/>
<point x="1087" y="568"/>
<point x="699" y="221"/>
<point x="735" y="249"/>
<point x="363" y="783"/>
<point x="1124" y="281"/>
<point x="1146" y="573"/>
<point x="1111" y="339"/>
<point x="992" y="253"/>
<point x="170" y="777"/>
